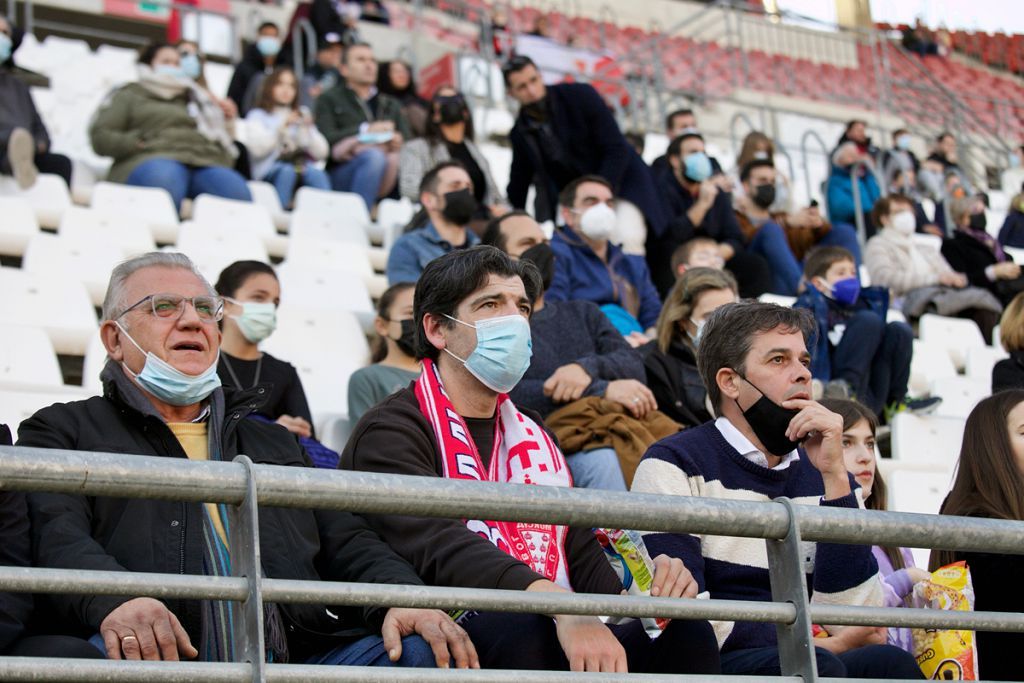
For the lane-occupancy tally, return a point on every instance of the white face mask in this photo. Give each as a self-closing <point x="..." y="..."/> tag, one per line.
<point x="598" y="222"/>
<point x="903" y="222"/>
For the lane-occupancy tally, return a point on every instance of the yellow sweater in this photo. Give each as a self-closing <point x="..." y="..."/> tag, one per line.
<point x="192" y="437"/>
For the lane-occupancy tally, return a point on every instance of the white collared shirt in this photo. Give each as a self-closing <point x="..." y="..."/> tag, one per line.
<point x="748" y="450"/>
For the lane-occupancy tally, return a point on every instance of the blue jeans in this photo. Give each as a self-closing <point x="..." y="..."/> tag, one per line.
<point x="368" y="651"/>
<point x="283" y="177"/>
<point x="770" y="242"/>
<point x="189" y="181"/>
<point x="596" y="469"/>
<point x="872" y="661"/>
<point x="362" y="175"/>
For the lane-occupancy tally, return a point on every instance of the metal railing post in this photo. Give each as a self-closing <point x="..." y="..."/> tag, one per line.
<point x="789" y="584"/>
<point x="858" y="207"/>
<point x="245" y="562"/>
<point x="808" y="135"/>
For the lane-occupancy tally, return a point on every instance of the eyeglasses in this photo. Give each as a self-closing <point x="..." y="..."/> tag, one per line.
<point x="208" y="308"/>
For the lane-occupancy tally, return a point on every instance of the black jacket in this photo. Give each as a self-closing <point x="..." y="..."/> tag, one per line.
<point x="18" y="111"/>
<point x="1009" y="373"/>
<point x="971" y="257"/>
<point x="676" y="384"/>
<point x="592" y="143"/>
<point x="15" y="551"/>
<point x="119" y="534"/>
<point x="242" y="91"/>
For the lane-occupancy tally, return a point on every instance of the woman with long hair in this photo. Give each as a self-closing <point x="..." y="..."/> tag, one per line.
<point x="990" y="483"/>
<point x="395" y="78"/>
<point x="394" y="353"/>
<point x="284" y="144"/>
<point x="896" y="565"/>
<point x="671" y="359"/>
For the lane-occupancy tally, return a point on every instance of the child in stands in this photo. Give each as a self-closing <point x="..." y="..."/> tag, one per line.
<point x="856" y="352"/>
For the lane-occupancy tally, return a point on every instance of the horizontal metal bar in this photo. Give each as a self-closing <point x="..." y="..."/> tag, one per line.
<point x="370" y="492"/>
<point x="71" y="581"/>
<point x="39" y="669"/>
<point x="848" y="615"/>
<point x="445" y="597"/>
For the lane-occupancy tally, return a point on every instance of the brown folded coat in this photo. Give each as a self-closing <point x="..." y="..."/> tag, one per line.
<point x="594" y="422"/>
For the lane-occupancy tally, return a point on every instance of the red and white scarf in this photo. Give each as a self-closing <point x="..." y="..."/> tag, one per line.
<point x="523" y="454"/>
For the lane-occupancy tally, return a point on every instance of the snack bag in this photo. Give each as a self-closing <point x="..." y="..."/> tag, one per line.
<point x="946" y="655"/>
<point x="626" y="552"/>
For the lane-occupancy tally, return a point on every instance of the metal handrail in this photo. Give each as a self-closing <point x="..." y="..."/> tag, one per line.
<point x="242" y="485"/>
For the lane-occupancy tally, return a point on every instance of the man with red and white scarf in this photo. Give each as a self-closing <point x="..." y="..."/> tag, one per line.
<point x="456" y="421"/>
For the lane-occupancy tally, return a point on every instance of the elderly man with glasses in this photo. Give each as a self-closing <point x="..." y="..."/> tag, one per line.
<point x="162" y="397"/>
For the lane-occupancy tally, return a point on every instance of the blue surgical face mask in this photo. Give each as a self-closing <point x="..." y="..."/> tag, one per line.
<point x="169" y="70"/>
<point x="190" y="65"/>
<point x="1014" y="158"/>
<point x="257" y="321"/>
<point x="268" y="46"/>
<point x="697" y="167"/>
<point x="699" y="324"/>
<point x="5" y="47"/>
<point x="502" y="353"/>
<point x="167" y="383"/>
<point x="903" y="142"/>
<point x="845" y="291"/>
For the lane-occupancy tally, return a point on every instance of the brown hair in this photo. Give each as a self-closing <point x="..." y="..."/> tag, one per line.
<point x="681" y="301"/>
<point x="883" y="207"/>
<point x="852" y="413"/>
<point x="729" y="333"/>
<point x="820" y="259"/>
<point x="1011" y="325"/>
<point x="567" y="197"/>
<point x="387" y="299"/>
<point x="682" y="253"/>
<point x="754" y="140"/>
<point x="266" y="99"/>
<point x="988" y="482"/>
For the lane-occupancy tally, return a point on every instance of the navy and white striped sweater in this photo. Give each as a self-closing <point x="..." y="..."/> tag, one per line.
<point x="700" y="462"/>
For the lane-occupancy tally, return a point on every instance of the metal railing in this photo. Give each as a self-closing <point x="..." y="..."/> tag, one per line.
<point x="243" y="485"/>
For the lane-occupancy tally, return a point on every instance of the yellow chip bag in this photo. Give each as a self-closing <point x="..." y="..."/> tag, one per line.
<point x="946" y="655"/>
<point x="627" y="553"/>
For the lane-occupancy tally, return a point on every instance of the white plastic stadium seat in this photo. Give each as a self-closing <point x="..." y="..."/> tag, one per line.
<point x="265" y="195"/>
<point x="914" y="490"/>
<point x="20" y="404"/>
<point x="959" y="395"/>
<point x="310" y="224"/>
<point x="326" y="348"/>
<point x="929" y="363"/>
<point x="953" y="334"/>
<point x="244" y="216"/>
<point x="90" y="263"/>
<point x="49" y="197"/>
<point x="17" y="226"/>
<point x="392" y="216"/>
<point x="59" y="305"/>
<point x="981" y="360"/>
<point x="27" y="358"/>
<point x="212" y="248"/>
<point x="329" y="255"/>
<point x="1016" y="253"/>
<point x="342" y="206"/>
<point x="150" y="206"/>
<point x="95" y="359"/>
<point x="92" y="225"/>
<point x="310" y="288"/>
<point x="926" y="439"/>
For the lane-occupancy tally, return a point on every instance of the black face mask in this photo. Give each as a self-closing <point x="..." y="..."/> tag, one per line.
<point x="407" y="342"/>
<point x="451" y="109"/>
<point x="459" y="206"/>
<point x="542" y="256"/>
<point x="978" y="221"/>
<point x="764" y="195"/>
<point x="770" y="421"/>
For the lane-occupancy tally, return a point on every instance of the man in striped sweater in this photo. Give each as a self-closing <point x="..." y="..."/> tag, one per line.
<point x="770" y="440"/>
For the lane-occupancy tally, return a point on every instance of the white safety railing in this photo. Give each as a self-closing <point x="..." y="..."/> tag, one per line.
<point x="243" y="485"/>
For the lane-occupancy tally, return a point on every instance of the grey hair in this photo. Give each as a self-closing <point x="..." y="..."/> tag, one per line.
<point x="114" y="302"/>
<point x="729" y="333"/>
<point x="960" y="207"/>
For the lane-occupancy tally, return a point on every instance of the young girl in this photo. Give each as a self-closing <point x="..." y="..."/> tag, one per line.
<point x="394" y="358"/>
<point x="990" y="483"/>
<point x="283" y="142"/>
<point x="895" y="564"/>
<point x="251" y="294"/>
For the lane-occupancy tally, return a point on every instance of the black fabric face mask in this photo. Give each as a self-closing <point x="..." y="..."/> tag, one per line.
<point x="542" y="256"/>
<point x="764" y="195"/>
<point x="978" y="221"/>
<point x="769" y="421"/>
<point x="451" y="109"/>
<point x="407" y="342"/>
<point x="459" y="206"/>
